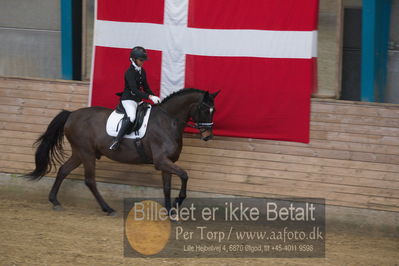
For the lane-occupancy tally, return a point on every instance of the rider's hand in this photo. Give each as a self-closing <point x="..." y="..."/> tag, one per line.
<point x="155" y="99"/>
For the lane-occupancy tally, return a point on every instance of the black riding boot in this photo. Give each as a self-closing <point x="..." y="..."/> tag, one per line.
<point x="122" y="131"/>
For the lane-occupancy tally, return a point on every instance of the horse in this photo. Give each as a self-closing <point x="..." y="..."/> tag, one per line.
<point x="162" y="144"/>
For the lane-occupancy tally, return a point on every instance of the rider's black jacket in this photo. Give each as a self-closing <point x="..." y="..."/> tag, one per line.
<point x="136" y="86"/>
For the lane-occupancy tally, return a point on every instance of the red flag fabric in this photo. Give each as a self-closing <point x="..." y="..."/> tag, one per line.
<point x="261" y="55"/>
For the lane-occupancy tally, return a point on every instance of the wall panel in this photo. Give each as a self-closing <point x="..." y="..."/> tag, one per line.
<point x="352" y="159"/>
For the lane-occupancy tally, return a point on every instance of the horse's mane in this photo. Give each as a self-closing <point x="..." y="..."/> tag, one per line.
<point x="181" y="92"/>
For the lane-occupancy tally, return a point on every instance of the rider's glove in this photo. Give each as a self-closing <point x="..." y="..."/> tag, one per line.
<point x="155" y="99"/>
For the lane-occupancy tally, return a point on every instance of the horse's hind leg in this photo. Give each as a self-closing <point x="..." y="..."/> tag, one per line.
<point x="72" y="163"/>
<point x="89" y="163"/>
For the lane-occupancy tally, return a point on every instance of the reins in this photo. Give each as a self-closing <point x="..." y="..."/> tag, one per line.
<point x="202" y="126"/>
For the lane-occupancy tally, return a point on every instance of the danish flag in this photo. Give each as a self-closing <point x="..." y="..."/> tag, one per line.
<point x="261" y="54"/>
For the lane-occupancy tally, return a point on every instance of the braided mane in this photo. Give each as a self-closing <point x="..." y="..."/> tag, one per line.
<point x="181" y="92"/>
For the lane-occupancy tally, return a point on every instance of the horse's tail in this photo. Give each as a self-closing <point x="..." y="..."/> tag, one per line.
<point x="50" y="150"/>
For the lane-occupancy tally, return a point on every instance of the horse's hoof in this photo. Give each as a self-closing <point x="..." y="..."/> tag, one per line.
<point x="58" y="208"/>
<point x="174" y="217"/>
<point x="111" y="213"/>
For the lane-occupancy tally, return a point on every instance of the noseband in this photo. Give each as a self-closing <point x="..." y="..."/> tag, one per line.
<point x="201" y="126"/>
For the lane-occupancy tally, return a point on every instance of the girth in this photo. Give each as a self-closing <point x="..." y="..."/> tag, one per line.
<point x="141" y="111"/>
<point x="140" y="150"/>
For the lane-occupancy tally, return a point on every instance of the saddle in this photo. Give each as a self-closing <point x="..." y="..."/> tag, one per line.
<point x="141" y="111"/>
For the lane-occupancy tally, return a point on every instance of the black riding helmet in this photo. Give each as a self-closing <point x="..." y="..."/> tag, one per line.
<point x="139" y="52"/>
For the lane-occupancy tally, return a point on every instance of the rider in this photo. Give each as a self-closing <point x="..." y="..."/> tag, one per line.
<point x="136" y="89"/>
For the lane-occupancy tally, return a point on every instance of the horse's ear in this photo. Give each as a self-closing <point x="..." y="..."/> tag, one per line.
<point x="215" y="94"/>
<point x="206" y="96"/>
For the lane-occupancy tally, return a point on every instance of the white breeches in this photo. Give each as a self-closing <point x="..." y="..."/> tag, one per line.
<point x="130" y="108"/>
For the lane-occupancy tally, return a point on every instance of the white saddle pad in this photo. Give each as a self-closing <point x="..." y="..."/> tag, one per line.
<point x="115" y="118"/>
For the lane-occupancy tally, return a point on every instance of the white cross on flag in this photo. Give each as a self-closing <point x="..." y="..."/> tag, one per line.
<point x="259" y="53"/>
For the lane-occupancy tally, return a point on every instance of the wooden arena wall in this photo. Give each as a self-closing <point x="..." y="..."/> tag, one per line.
<point x="352" y="159"/>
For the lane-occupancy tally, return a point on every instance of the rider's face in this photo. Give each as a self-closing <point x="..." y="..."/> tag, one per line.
<point x="139" y="62"/>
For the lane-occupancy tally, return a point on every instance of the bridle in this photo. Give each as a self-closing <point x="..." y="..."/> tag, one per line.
<point x="201" y="126"/>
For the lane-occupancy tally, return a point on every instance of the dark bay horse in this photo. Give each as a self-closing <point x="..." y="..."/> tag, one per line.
<point x="162" y="144"/>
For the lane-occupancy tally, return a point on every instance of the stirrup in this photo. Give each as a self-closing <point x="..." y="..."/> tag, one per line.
<point x="115" y="145"/>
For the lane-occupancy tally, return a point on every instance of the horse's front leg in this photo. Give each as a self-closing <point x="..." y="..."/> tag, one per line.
<point x="168" y="167"/>
<point x="166" y="180"/>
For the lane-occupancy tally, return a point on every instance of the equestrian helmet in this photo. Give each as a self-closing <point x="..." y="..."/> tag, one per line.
<point x="139" y="52"/>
